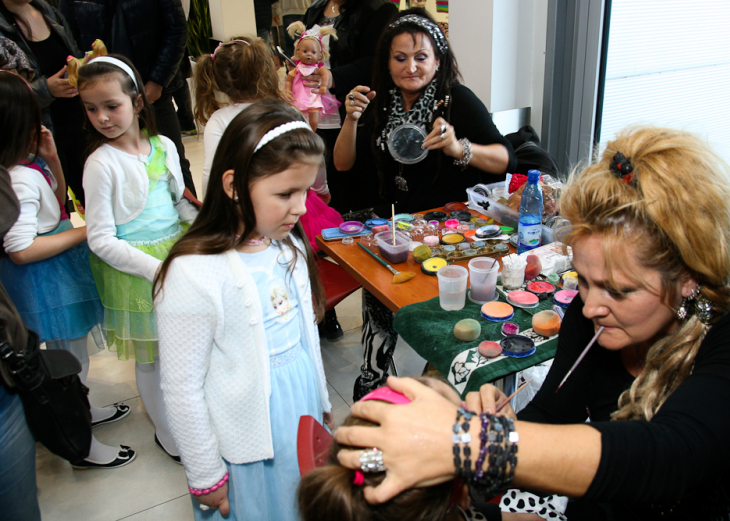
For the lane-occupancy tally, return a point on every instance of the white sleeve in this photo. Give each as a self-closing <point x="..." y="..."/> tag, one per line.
<point x="185" y="208"/>
<point x="101" y="230"/>
<point x="25" y="229"/>
<point x="211" y="137"/>
<point x="186" y="323"/>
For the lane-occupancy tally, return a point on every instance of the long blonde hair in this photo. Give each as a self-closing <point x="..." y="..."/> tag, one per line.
<point x="675" y="217"/>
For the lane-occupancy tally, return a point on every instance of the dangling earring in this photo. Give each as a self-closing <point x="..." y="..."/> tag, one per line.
<point x="682" y="311"/>
<point x="235" y="198"/>
<point x="437" y="68"/>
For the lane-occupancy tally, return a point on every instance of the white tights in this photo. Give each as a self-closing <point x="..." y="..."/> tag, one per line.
<point x="148" y="384"/>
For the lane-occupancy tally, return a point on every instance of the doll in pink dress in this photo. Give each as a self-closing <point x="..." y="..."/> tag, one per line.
<point x="308" y="55"/>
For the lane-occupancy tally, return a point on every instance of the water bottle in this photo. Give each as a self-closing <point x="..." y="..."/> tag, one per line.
<point x="530" y="226"/>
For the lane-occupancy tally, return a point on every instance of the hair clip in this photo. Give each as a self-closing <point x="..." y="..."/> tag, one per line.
<point x="359" y="478"/>
<point x="224" y="44"/>
<point x="428" y="26"/>
<point x="622" y="168"/>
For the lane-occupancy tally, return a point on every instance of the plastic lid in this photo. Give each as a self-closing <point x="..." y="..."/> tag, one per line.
<point x="533" y="176"/>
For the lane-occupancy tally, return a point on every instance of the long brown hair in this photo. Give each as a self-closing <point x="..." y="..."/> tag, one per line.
<point x="218" y="225"/>
<point x="20" y="120"/>
<point x="675" y="219"/>
<point x="242" y="69"/>
<point x="93" y="72"/>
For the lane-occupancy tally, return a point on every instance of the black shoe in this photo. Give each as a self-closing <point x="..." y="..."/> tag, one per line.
<point x="176" y="459"/>
<point x="122" y="410"/>
<point x="125" y="456"/>
<point x="330" y="328"/>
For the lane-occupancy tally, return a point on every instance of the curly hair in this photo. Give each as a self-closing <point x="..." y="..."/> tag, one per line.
<point x="674" y="216"/>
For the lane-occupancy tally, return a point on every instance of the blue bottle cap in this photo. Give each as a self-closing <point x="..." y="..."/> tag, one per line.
<point x="533" y="176"/>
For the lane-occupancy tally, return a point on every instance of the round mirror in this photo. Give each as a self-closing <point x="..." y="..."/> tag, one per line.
<point x="404" y="144"/>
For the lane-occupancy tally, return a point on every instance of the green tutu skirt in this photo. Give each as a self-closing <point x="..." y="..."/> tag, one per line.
<point x="129" y="318"/>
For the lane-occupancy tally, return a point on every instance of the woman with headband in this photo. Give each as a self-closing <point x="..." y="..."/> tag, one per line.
<point x="650" y="232"/>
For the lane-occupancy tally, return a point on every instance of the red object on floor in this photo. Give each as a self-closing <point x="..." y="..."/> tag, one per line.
<point x="337" y="283"/>
<point x="313" y="444"/>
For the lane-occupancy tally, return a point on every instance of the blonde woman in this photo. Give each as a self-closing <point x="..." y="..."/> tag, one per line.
<point x="651" y="242"/>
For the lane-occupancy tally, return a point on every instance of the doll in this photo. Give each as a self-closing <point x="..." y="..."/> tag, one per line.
<point x="309" y="53"/>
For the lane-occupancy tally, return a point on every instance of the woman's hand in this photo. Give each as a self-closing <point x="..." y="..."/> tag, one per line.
<point x="487" y="400"/>
<point x="443" y="137"/>
<point x="415" y="439"/>
<point x="216" y="499"/>
<point x="357" y="101"/>
<point x="59" y="87"/>
<point x="47" y="146"/>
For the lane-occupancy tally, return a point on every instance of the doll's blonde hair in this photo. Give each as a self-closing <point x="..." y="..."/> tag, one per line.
<point x="299" y="32"/>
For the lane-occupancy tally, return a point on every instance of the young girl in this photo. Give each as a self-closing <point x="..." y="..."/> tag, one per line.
<point x="239" y="369"/>
<point x="134" y="209"/>
<point x="46" y="272"/>
<point x="309" y="53"/>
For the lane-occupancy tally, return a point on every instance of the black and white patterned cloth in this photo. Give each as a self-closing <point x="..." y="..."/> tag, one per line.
<point x="548" y="507"/>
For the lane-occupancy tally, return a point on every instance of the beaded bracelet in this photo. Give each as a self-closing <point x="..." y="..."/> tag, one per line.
<point x="498" y="440"/>
<point x="466" y="154"/>
<point x="203" y="492"/>
<point x="462" y="436"/>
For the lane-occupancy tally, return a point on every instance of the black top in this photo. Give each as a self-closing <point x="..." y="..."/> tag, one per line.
<point x="434" y="181"/>
<point x="672" y="467"/>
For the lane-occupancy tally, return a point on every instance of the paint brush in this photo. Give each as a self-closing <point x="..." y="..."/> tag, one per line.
<point x="501" y="405"/>
<point x="392" y="220"/>
<point x="398" y="276"/>
<point x="582" y="355"/>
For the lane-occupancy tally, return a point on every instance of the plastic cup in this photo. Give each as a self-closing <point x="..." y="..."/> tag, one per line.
<point x="394" y="254"/>
<point x="483" y="276"/>
<point x="513" y="277"/>
<point x="452" y="287"/>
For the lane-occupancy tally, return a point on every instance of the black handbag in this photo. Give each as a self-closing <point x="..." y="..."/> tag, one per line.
<point x="55" y="401"/>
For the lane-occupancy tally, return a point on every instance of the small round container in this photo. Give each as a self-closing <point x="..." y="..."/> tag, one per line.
<point x="370" y="223"/>
<point x="570" y="280"/>
<point x="452" y="224"/>
<point x="487" y="231"/>
<point x="507" y="229"/>
<point x="351" y="227"/>
<point x="470" y="235"/>
<point x="436" y="216"/>
<point x="542" y="289"/>
<point x="452" y="239"/>
<point x="449" y="248"/>
<point x="418" y="216"/>
<point x="523" y="299"/>
<point x="460" y="216"/>
<point x="403" y="217"/>
<point x="431" y="240"/>
<point x="421" y="253"/>
<point x="414" y="244"/>
<point x="463" y="228"/>
<point x="348" y="240"/>
<point x="432" y="265"/>
<point x="497" y="311"/>
<point x="454" y="207"/>
<point x="434" y="223"/>
<point x="478" y="244"/>
<point x="564" y="297"/>
<point x="517" y="346"/>
<point x="510" y="328"/>
<point x="502" y="249"/>
<point x="464" y="246"/>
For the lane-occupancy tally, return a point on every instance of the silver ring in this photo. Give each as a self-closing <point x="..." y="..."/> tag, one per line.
<point x="443" y="135"/>
<point x="443" y="129"/>
<point x="204" y="507"/>
<point x="371" y="460"/>
<point x="351" y="96"/>
<point x="352" y="103"/>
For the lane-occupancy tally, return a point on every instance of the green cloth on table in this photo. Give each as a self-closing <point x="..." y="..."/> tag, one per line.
<point x="429" y="330"/>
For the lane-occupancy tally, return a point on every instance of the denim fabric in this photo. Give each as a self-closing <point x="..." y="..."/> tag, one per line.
<point x="18" y="491"/>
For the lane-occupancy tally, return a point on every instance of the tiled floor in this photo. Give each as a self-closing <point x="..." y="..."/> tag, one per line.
<point x="153" y="487"/>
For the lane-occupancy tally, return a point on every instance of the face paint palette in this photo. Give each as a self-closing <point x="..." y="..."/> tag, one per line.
<point x="436" y="216"/>
<point x="497" y="311"/>
<point x="523" y="299"/>
<point x="452" y="239"/>
<point x="564" y="297"/>
<point x="542" y="289"/>
<point x="432" y="265"/>
<point x="517" y="346"/>
<point x="490" y="230"/>
<point x="454" y="207"/>
<point x="372" y="223"/>
<point x="351" y="227"/>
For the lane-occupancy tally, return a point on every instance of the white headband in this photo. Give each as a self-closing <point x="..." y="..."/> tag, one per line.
<point x="278" y="131"/>
<point x="119" y="63"/>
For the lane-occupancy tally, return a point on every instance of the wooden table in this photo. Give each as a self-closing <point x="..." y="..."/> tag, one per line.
<point x="378" y="281"/>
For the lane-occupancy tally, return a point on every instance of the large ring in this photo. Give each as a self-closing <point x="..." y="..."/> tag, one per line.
<point x="371" y="460"/>
<point x="443" y="135"/>
<point x="351" y="96"/>
<point x="443" y="129"/>
<point x="352" y="103"/>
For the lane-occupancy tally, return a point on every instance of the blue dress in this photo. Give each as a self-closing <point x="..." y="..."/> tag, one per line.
<point x="266" y="490"/>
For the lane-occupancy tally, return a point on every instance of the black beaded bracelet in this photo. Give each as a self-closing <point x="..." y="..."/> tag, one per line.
<point x="461" y="437"/>
<point x="499" y="448"/>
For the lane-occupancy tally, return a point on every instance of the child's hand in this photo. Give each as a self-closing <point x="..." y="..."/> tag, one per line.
<point x="216" y="500"/>
<point x="329" y="420"/>
<point x="47" y="147"/>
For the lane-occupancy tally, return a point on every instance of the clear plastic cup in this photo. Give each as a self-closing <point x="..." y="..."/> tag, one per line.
<point x="483" y="277"/>
<point x="452" y="287"/>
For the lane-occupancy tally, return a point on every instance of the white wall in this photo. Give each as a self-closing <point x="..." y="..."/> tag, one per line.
<point x="231" y="18"/>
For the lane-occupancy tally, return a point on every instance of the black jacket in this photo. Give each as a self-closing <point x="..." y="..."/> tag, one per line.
<point x="60" y="26"/>
<point x="358" y="33"/>
<point x="151" y="33"/>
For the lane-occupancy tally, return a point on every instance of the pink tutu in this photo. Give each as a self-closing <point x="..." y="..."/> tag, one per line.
<point x="318" y="217"/>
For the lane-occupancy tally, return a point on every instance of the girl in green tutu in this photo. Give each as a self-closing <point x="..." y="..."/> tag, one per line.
<point x="135" y="212"/>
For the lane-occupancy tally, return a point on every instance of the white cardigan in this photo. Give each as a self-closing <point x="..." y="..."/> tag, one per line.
<point x="116" y="186"/>
<point x="39" y="209"/>
<point x="217" y="124"/>
<point x="215" y="372"/>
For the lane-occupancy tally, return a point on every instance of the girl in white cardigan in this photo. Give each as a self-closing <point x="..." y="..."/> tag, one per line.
<point x="236" y="301"/>
<point x="46" y="272"/>
<point x="135" y="212"/>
